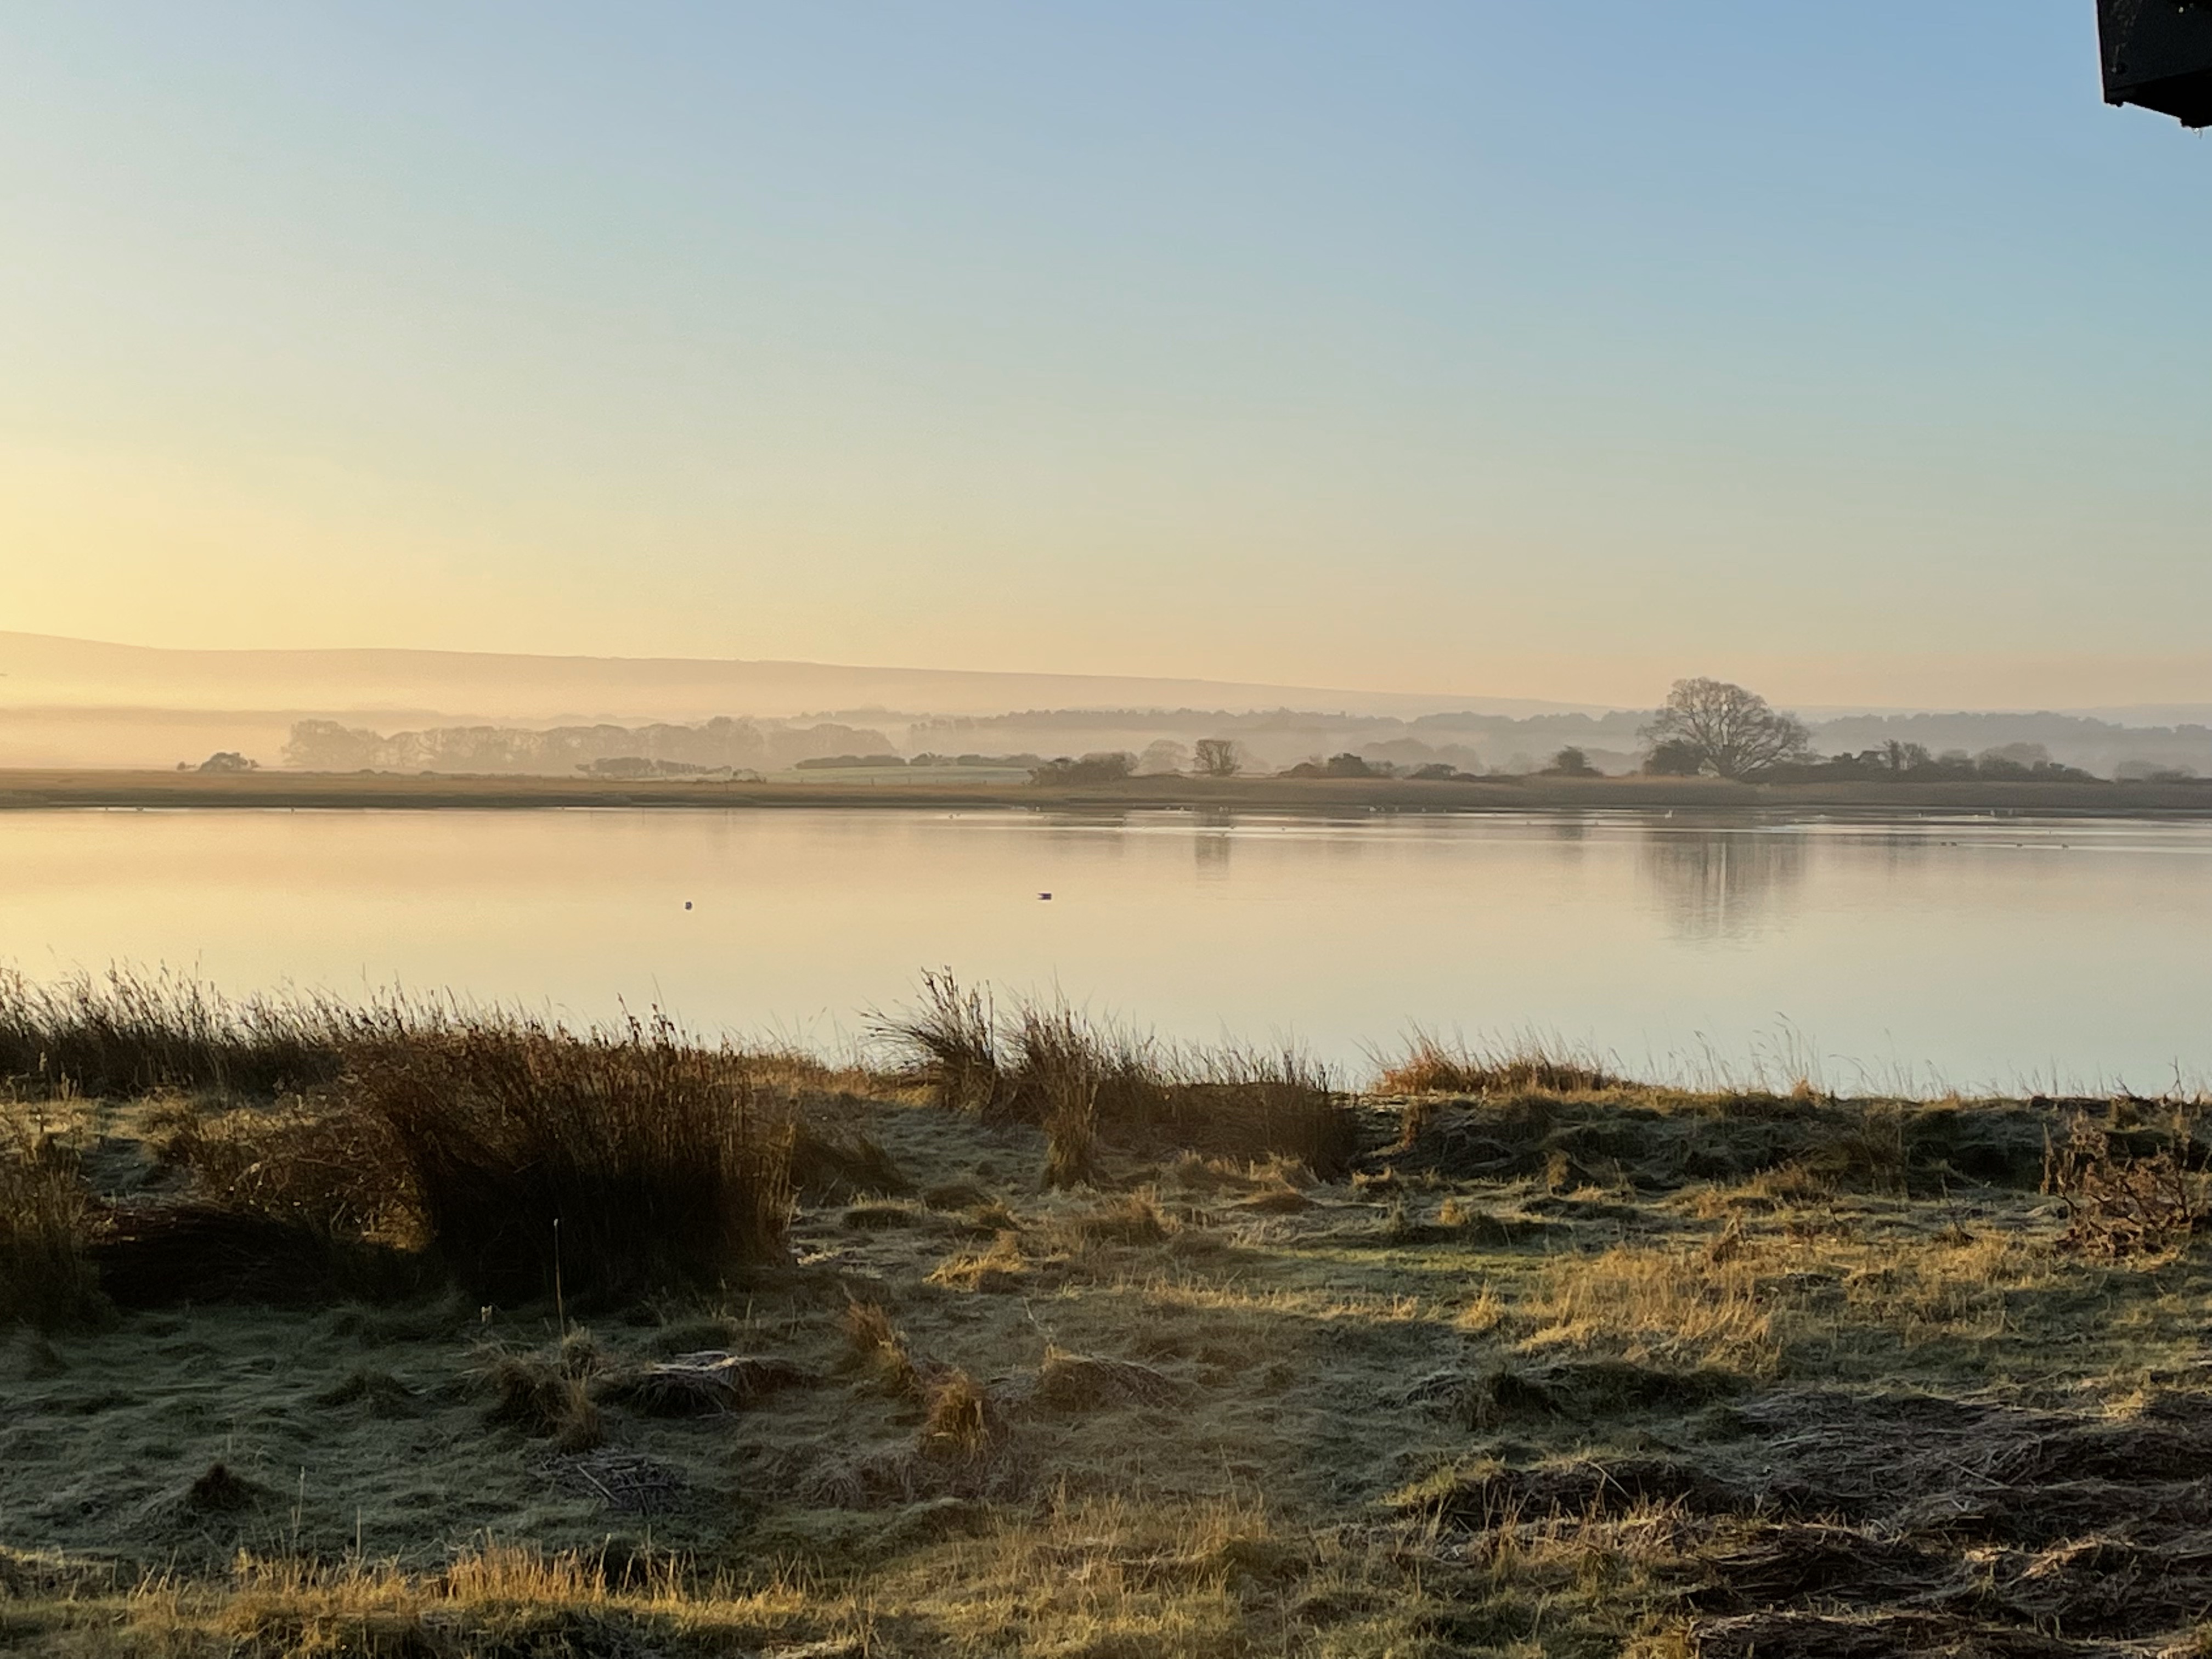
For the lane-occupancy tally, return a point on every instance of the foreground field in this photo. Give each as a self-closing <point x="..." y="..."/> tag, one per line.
<point x="1506" y="1356"/>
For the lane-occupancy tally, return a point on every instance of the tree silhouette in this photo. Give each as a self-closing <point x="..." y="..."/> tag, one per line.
<point x="1733" y="731"/>
<point x="1216" y="757"/>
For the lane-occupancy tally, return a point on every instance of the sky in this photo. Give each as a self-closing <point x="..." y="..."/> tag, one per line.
<point x="1857" y="352"/>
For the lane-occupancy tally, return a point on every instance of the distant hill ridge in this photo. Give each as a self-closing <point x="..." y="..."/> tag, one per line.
<point x="45" y="671"/>
<point x="75" y="702"/>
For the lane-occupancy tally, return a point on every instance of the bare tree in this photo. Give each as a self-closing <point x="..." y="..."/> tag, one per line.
<point x="1734" y="732"/>
<point x="1217" y="757"/>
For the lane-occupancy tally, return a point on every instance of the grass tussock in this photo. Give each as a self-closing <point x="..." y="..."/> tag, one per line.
<point x="599" y="1163"/>
<point x="1431" y="1066"/>
<point x="1095" y="1087"/>
<point x="878" y="1351"/>
<point x="959" y="1419"/>
<point x="948" y="1044"/>
<point x="999" y="1266"/>
<point x="546" y="1395"/>
<point x="322" y="1163"/>
<point x="832" y="1163"/>
<point x="47" y="1277"/>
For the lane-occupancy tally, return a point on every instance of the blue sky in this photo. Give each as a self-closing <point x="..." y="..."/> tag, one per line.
<point x="1858" y="351"/>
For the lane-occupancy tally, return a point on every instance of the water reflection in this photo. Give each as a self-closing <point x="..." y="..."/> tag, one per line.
<point x="1209" y="853"/>
<point x="1948" y="942"/>
<point x="1717" y="883"/>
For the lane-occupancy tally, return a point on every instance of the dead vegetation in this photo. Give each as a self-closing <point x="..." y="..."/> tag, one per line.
<point x="46" y="1274"/>
<point x="600" y="1163"/>
<point x="1542" y="1364"/>
<point x="127" y="1033"/>
<point x="2123" y="1200"/>
<point x="1432" y="1066"/>
<point x="1092" y="1085"/>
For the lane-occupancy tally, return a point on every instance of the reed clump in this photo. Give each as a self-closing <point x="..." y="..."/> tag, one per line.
<point x="47" y="1279"/>
<point x="1092" y="1085"/>
<point x="599" y="1163"/>
<point x="323" y="1164"/>
<point x="1533" y="1065"/>
<point x="948" y="1044"/>
<point x="129" y="1032"/>
<point x="546" y="1393"/>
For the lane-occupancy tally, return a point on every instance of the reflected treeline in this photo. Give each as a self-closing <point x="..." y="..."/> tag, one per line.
<point x="1718" y="882"/>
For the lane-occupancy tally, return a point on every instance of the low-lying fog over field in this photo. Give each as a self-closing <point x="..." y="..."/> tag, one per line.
<point x="68" y="703"/>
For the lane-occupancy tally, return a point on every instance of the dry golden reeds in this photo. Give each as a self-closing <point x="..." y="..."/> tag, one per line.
<point x="1431" y="1066"/>
<point x="949" y="1044"/>
<point x="546" y="1395"/>
<point x="602" y="1162"/>
<point x="129" y="1032"/>
<point x="46" y="1274"/>
<point x="1091" y="1084"/>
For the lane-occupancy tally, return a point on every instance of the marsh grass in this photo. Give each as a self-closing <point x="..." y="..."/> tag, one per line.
<point x="1090" y="1577"/>
<point x="1093" y="1085"/>
<point x="1432" y="1066"/>
<point x="1635" y="1369"/>
<point x="948" y="1044"/>
<point x="877" y="1350"/>
<point x="1674" y="1307"/>
<point x="959" y="1419"/>
<point x="47" y="1279"/>
<point x="832" y="1164"/>
<point x="596" y="1162"/>
<point x="131" y="1032"/>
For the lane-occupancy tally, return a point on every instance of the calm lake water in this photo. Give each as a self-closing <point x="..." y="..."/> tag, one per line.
<point x="1972" y="952"/>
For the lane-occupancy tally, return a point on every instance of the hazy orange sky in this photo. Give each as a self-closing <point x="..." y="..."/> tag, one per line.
<point x="1859" y="353"/>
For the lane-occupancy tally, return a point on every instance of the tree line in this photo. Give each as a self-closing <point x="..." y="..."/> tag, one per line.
<point x="1706" y="727"/>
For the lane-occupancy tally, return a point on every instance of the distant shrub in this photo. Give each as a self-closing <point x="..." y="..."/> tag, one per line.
<point x="1110" y="766"/>
<point x="1217" y="757"/>
<point x="1674" y="757"/>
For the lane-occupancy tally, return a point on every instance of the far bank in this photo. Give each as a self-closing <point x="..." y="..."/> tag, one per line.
<point x="33" y="789"/>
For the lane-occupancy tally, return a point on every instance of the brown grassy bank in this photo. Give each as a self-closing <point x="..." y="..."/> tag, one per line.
<point x="970" y="1350"/>
<point x="29" y="789"/>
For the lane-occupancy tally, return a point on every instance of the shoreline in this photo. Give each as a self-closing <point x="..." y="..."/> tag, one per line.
<point x="26" y="789"/>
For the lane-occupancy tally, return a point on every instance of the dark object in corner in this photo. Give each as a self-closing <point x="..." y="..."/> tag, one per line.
<point x="2158" y="55"/>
